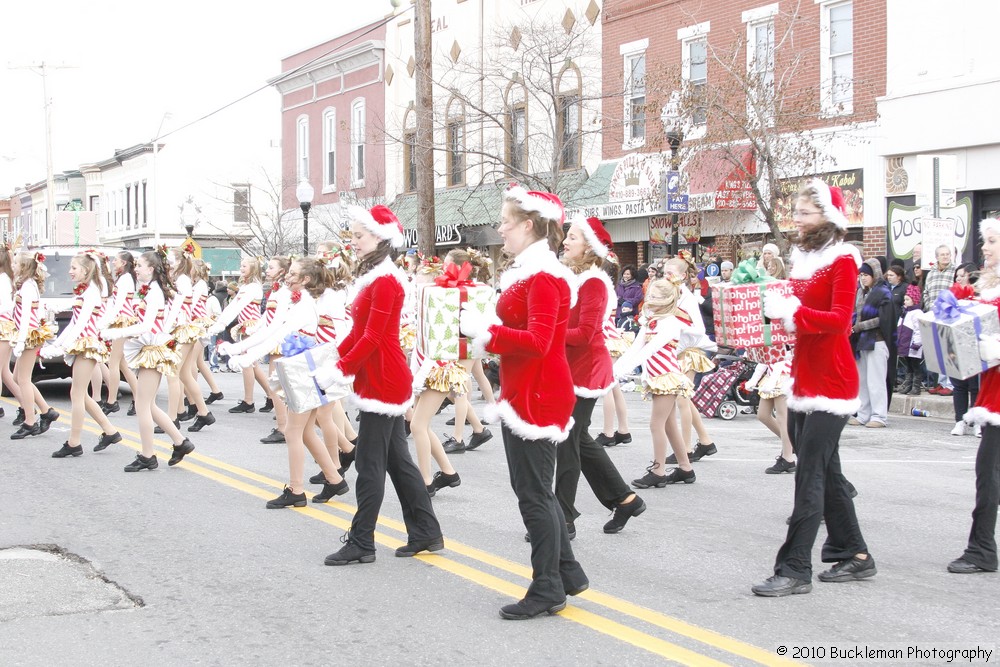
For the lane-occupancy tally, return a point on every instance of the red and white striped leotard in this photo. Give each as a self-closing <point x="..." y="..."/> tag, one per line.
<point x="334" y="321"/>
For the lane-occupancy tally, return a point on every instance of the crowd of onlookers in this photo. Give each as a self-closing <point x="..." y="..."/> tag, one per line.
<point x="885" y="335"/>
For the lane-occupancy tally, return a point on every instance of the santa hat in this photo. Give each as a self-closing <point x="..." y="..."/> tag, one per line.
<point x="771" y="248"/>
<point x="596" y="235"/>
<point x="381" y="222"/>
<point x="546" y="204"/>
<point x="989" y="225"/>
<point x="831" y="202"/>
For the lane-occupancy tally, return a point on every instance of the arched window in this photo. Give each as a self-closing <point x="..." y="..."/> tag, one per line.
<point x="569" y="117"/>
<point x="329" y="148"/>
<point x="358" y="143"/>
<point x="455" y="141"/>
<point x="516" y="104"/>
<point x="302" y="148"/>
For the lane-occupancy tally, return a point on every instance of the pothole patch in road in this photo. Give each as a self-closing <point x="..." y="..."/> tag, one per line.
<point x="47" y="580"/>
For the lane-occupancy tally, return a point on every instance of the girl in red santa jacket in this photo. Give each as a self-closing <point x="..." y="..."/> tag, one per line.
<point x="372" y="361"/>
<point x="824" y="395"/>
<point x="81" y="344"/>
<point x="981" y="553"/>
<point x="655" y="349"/>
<point x="32" y="331"/>
<point x="587" y="251"/>
<point x="536" y="387"/>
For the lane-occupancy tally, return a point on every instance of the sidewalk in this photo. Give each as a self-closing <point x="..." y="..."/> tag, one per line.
<point x="940" y="407"/>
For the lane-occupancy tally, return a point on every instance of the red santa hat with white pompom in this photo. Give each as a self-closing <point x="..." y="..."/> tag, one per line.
<point x="831" y="201"/>
<point x="380" y="221"/>
<point x="596" y="235"/>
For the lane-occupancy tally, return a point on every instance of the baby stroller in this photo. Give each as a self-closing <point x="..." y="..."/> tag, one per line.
<point x="720" y="394"/>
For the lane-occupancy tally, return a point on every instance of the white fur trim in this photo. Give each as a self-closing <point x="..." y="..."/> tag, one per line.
<point x="806" y="264"/>
<point x="835" y="406"/>
<point x="385" y="268"/>
<point x="585" y="392"/>
<point x="981" y="416"/>
<point x="387" y="232"/>
<point x="535" y="259"/>
<point x="789" y="320"/>
<point x="991" y="294"/>
<point x="479" y="344"/>
<point x="832" y="213"/>
<point x="596" y="273"/>
<point x="989" y="224"/>
<point x="595" y="244"/>
<point x="532" y="203"/>
<point x="528" y="431"/>
<point x="380" y="407"/>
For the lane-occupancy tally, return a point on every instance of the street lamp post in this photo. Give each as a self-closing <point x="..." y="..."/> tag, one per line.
<point x="304" y="193"/>
<point x="671" y="118"/>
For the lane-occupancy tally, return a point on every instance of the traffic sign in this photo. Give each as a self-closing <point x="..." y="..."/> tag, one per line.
<point x="677" y="204"/>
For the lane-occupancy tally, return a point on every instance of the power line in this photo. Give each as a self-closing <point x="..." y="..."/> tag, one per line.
<point x="295" y="71"/>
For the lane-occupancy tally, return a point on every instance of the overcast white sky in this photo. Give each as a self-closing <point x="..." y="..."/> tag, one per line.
<point x="131" y="63"/>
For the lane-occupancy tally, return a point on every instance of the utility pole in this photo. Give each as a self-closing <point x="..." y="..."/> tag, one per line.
<point x="41" y="69"/>
<point x="424" y="147"/>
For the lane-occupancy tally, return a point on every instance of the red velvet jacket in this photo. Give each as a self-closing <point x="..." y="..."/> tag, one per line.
<point x="586" y="350"/>
<point x="371" y="352"/>
<point x="824" y="373"/>
<point x="536" y="389"/>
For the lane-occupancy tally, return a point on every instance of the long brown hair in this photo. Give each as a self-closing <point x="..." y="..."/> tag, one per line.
<point x="6" y="264"/>
<point x="316" y="272"/>
<point x="160" y="274"/>
<point x="29" y="270"/>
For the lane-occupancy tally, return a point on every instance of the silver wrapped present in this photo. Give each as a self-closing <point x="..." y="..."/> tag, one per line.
<point x="950" y="333"/>
<point x="295" y="376"/>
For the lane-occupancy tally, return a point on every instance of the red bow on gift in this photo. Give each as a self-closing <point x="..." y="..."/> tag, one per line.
<point x="963" y="291"/>
<point x="455" y="276"/>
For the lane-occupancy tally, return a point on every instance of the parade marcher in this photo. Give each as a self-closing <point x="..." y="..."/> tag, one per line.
<point x="117" y="314"/>
<point x="372" y="361"/>
<point x="536" y="388"/>
<point x="872" y="332"/>
<point x="80" y="343"/>
<point x="204" y="317"/>
<point x="244" y="307"/>
<point x="981" y="552"/>
<point x="188" y="331"/>
<point x="770" y="380"/>
<point x="150" y="350"/>
<point x="613" y="404"/>
<point x="275" y="306"/>
<point x="32" y="331"/>
<point x="586" y="249"/>
<point x="655" y="350"/>
<point x="8" y="331"/>
<point x="306" y="280"/>
<point x="824" y="394"/>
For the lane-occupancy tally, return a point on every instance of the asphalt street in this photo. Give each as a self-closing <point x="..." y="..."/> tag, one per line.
<point x="185" y="566"/>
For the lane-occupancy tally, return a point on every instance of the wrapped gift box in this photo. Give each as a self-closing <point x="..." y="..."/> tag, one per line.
<point x="438" y="335"/>
<point x="738" y="313"/>
<point x="951" y="343"/>
<point x="294" y="375"/>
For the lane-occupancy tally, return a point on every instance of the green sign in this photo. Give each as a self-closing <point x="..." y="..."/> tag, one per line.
<point x="224" y="261"/>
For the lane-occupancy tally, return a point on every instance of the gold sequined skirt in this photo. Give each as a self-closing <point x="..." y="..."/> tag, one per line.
<point x="8" y="332"/>
<point x="243" y="329"/>
<point x="407" y="337"/>
<point x="617" y="346"/>
<point x="694" y="359"/>
<point x="152" y="352"/>
<point x="668" y="384"/>
<point x="90" y="347"/>
<point x="123" y="321"/>
<point x="185" y="334"/>
<point x="773" y="388"/>
<point x="448" y="378"/>
<point x="45" y="332"/>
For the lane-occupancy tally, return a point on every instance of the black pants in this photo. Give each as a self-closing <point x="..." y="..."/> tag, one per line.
<point x="554" y="569"/>
<point x="821" y="492"/>
<point x="964" y="394"/>
<point x="579" y="453"/>
<point x="382" y="449"/>
<point x="982" y="549"/>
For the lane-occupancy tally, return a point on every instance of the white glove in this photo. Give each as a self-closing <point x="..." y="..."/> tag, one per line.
<point x="241" y="361"/>
<point x="52" y="351"/>
<point x="18" y="349"/>
<point x="110" y="335"/>
<point x="474" y="324"/>
<point x="226" y="349"/>
<point x="989" y="348"/>
<point x="780" y="307"/>
<point x="328" y="377"/>
<point x="215" y="329"/>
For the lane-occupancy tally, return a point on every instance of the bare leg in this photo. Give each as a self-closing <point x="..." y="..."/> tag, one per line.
<point x="203" y="368"/>
<point x="483" y="382"/>
<point x="117" y="361"/>
<point x="695" y="417"/>
<point x="248" y="377"/>
<point x="621" y="409"/>
<point x="173" y="396"/>
<point x="420" y="427"/>
<point x="781" y="410"/>
<point x="765" y="417"/>
<point x="82" y="402"/>
<point x="149" y="413"/>
<point x="260" y="375"/>
<point x="296" y="437"/>
<point x="344" y="424"/>
<point x="5" y="374"/>
<point x="334" y="438"/>
<point x="23" y="367"/>
<point x="320" y="452"/>
<point x="608" y="408"/>
<point x="186" y="374"/>
<point x="96" y="381"/>
<point x="663" y="426"/>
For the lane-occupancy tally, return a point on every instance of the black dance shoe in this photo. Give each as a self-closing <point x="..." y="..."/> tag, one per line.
<point x="131" y="409"/>
<point x="319" y="478"/>
<point x="19" y="417"/>
<point x="452" y="446"/>
<point x="331" y="490"/>
<point x="478" y="438"/>
<point x="525" y="609"/>
<point x="242" y="406"/>
<point x="23" y="431"/>
<point x="201" y="422"/>
<point x="442" y="480"/>
<point x="268" y="406"/>
<point x="273" y="437"/>
<point x="780" y="466"/>
<point x="213" y="397"/>
<point x="413" y="547"/>
<point x="177" y="425"/>
<point x="623" y="513"/>
<point x="111" y="407"/>
<point x="962" y="566"/>
<point x="188" y="414"/>
<point x="45" y="420"/>
<point x="349" y="553"/>
<point x="66" y="450"/>
<point x="106" y="441"/>
<point x="605" y="440"/>
<point x="779" y="587"/>
<point x="851" y="569"/>
<point x="346" y="459"/>
<point x="287" y="499"/>
<point x="701" y="451"/>
<point x="678" y="475"/>
<point x="180" y="451"/>
<point x="142" y="463"/>
<point x="650" y="480"/>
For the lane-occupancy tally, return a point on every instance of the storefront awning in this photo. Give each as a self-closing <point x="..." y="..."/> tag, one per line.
<point x="481" y="236"/>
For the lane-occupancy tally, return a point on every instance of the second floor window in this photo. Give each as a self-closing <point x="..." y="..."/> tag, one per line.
<point x="302" y="148"/>
<point x="635" y="98"/>
<point x="697" y="78"/>
<point x="358" y="143"/>
<point x="329" y="148"/>
<point x="569" y="131"/>
<point x="838" y="38"/>
<point x="517" y="143"/>
<point x="456" y="152"/>
<point x="241" y="202"/>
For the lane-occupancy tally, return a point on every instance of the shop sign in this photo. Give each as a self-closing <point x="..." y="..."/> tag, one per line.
<point x="906" y="228"/>
<point x="444" y="235"/>
<point x="851" y="182"/>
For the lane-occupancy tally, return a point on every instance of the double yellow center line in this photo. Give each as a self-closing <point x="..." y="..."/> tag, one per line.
<point x="263" y="487"/>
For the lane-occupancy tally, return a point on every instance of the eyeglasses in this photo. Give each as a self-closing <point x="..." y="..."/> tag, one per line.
<point x="799" y="213"/>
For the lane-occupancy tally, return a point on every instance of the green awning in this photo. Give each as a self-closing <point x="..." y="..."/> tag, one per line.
<point x="224" y="261"/>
